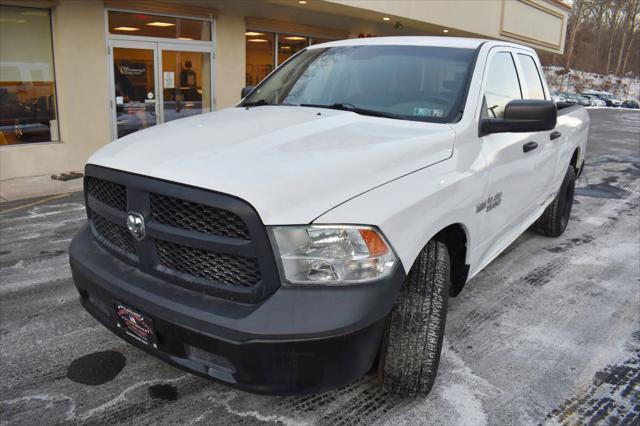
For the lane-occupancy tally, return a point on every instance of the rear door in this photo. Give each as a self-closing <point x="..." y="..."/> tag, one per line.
<point x="546" y="157"/>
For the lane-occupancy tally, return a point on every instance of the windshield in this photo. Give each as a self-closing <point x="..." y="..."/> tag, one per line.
<point x="409" y="82"/>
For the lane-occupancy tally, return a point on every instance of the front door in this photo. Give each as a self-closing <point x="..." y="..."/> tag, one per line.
<point x="155" y="82"/>
<point x="135" y="88"/>
<point x="511" y="188"/>
<point x="185" y="82"/>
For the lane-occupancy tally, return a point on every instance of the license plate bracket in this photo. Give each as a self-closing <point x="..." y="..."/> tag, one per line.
<point x="135" y="324"/>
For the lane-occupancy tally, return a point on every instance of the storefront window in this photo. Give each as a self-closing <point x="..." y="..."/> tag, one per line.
<point x="125" y="23"/>
<point x="186" y="83"/>
<point x="134" y="83"/>
<point x="261" y="51"/>
<point x="316" y="40"/>
<point x="27" y="83"/>
<point x="260" y="56"/>
<point x="290" y="44"/>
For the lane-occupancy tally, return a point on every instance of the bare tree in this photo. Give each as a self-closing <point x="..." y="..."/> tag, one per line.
<point x="602" y="36"/>
<point x="633" y="29"/>
<point x="575" y="21"/>
<point x="613" y="14"/>
<point x="635" y="34"/>
<point x="629" y="13"/>
<point x="597" y="13"/>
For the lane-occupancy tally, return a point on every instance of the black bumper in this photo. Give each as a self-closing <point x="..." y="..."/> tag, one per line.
<point x="296" y="341"/>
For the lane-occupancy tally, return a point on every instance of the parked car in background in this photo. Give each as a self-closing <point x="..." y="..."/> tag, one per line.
<point x="595" y="101"/>
<point x="630" y="103"/>
<point x="557" y="97"/>
<point x="570" y="97"/>
<point x="583" y="100"/>
<point x="608" y="97"/>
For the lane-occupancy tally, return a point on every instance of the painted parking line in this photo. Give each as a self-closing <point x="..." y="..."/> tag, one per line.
<point x="35" y="203"/>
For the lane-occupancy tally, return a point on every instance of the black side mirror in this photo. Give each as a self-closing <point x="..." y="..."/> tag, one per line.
<point x="245" y="91"/>
<point x="522" y="116"/>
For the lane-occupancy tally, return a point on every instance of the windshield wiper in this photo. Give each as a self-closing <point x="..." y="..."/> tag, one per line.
<point x="344" y="106"/>
<point x="255" y="103"/>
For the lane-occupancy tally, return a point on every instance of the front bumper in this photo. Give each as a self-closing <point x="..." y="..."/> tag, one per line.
<point x="299" y="340"/>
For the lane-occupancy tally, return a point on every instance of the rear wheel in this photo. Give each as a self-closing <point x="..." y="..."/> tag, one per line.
<point x="410" y="352"/>
<point x="555" y="218"/>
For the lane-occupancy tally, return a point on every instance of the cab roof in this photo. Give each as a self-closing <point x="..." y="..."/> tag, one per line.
<point x="455" y="42"/>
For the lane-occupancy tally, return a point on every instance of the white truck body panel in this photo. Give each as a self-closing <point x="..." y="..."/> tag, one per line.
<point x="292" y="164"/>
<point x="298" y="165"/>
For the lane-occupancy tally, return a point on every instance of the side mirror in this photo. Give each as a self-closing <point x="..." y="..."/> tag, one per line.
<point x="522" y="116"/>
<point x="245" y="91"/>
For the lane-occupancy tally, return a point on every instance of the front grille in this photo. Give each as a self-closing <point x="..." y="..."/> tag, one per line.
<point x="234" y="270"/>
<point x="112" y="194"/>
<point x="229" y="254"/>
<point x="118" y="236"/>
<point x="197" y="217"/>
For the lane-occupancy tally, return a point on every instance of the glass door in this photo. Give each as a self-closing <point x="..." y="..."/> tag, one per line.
<point x="135" y="87"/>
<point x="155" y="82"/>
<point x="185" y="80"/>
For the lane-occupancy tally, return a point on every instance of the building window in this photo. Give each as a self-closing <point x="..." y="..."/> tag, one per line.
<point x="27" y="82"/>
<point x="316" y="40"/>
<point x="261" y="51"/>
<point x="127" y="23"/>
<point x="260" y="56"/>
<point x="288" y="45"/>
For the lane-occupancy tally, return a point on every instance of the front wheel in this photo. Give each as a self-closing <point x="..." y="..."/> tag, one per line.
<point x="410" y="352"/>
<point x="555" y="218"/>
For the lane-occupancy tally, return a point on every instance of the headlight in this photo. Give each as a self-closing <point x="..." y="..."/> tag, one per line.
<point x="332" y="254"/>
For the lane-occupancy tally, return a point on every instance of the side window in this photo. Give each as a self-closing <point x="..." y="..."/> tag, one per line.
<point x="532" y="77"/>
<point x="502" y="84"/>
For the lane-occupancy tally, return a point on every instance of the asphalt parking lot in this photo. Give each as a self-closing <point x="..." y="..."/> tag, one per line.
<point x="548" y="333"/>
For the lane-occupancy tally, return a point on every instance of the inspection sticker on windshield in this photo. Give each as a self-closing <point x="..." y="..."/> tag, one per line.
<point x="427" y="112"/>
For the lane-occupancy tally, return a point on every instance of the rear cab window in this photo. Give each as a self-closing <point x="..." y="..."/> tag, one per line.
<point x="531" y="77"/>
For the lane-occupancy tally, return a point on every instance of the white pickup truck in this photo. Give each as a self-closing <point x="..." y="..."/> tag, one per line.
<point x="315" y="231"/>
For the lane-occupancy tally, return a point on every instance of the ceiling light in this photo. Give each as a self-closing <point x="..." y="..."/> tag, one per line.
<point x="161" y="24"/>
<point x="302" y="1"/>
<point x="257" y="40"/>
<point x="126" y="29"/>
<point x="386" y="18"/>
<point x="185" y="38"/>
<point x="35" y="13"/>
<point x="253" y="33"/>
<point x="295" y="38"/>
<point x="445" y="31"/>
<point x="13" y="21"/>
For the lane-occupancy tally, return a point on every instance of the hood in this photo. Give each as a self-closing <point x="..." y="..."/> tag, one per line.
<point x="291" y="163"/>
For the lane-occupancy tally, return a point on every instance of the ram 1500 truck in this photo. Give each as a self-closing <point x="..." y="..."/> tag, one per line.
<point x="315" y="231"/>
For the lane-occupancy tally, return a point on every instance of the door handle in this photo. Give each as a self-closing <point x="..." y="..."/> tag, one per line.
<point x="555" y="135"/>
<point x="529" y="146"/>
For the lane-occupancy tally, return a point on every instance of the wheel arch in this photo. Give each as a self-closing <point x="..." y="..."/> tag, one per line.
<point x="574" y="160"/>
<point x="455" y="237"/>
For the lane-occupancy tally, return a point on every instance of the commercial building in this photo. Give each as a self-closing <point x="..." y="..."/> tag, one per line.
<point x="77" y="74"/>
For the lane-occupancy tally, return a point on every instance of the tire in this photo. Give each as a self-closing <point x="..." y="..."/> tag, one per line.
<point x="556" y="216"/>
<point x="410" y="351"/>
